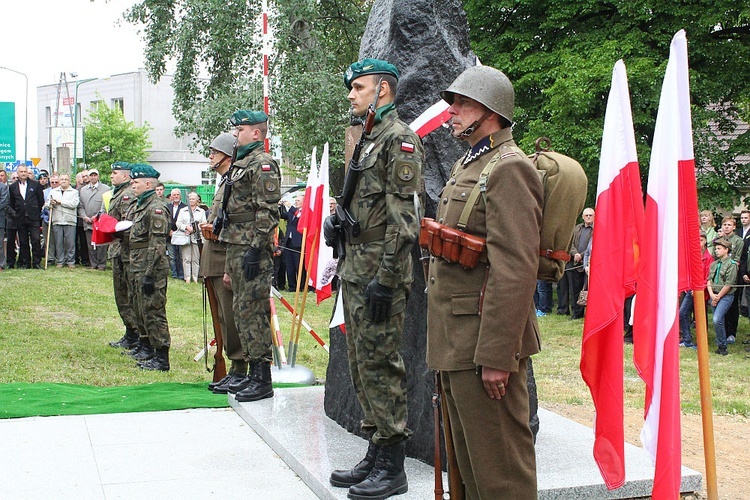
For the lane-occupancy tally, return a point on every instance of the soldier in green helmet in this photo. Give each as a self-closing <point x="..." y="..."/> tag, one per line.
<point x="246" y="222"/>
<point x="376" y="274"/>
<point x="149" y="266"/>
<point x="121" y="208"/>
<point x="481" y="320"/>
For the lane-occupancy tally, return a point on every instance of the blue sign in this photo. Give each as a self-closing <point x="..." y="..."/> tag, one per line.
<point x="7" y="131"/>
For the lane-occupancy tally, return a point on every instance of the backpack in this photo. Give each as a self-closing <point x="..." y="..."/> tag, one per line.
<point x="565" y="185"/>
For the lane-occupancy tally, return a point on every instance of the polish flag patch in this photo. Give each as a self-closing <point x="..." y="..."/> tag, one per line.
<point x="407" y="146"/>
<point x="265" y="168"/>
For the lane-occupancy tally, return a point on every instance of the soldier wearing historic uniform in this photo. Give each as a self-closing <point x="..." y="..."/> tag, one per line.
<point x="376" y="273"/>
<point x="249" y="215"/>
<point x="149" y="265"/>
<point x="481" y="321"/>
<point x="213" y="260"/>
<point x="120" y="206"/>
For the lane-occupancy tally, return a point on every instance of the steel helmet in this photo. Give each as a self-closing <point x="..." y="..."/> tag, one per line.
<point x="224" y="143"/>
<point x="487" y="86"/>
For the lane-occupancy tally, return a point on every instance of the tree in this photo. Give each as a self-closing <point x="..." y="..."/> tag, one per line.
<point x="560" y="54"/>
<point x="314" y="42"/>
<point x="110" y="138"/>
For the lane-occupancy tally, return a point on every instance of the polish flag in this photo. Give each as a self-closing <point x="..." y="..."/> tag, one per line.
<point x="431" y="119"/>
<point x="671" y="263"/>
<point x="338" y="314"/>
<point x="322" y="266"/>
<point x="613" y="272"/>
<point x="308" y="204"/>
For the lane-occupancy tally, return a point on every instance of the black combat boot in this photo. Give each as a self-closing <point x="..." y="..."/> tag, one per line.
<point x="128" y="341"/>
<point x="346" y="478"/>
<point x="237" y="367"/>
<point x="135" y="350"/>
<point x="160" y="361"/>
<point x="241" y="383"/>
<point x="387" y="478"/>
<point x="260" y="387"/>
<point x="146" y="351"/>
<point x="232" y="378"/>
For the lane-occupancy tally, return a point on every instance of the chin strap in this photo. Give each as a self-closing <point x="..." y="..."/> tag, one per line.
<point x="473" y="127"/>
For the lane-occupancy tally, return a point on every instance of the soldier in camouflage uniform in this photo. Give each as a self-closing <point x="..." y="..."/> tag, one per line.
<point x="120" y="207"/>
<point x="247" y="222"/>
<point x="213" y="261"/>
<point x="150" y="268"/>
<point x="375" y="275"/>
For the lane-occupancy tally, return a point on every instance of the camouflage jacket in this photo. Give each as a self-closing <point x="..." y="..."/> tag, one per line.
<point x="121" y="208"/>
<point x="384" y="206"/>
<point x="148" y="239"/>
<point x="253" y="202"/>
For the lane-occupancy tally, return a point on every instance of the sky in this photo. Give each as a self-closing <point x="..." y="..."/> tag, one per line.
<point x="43" y="38"/>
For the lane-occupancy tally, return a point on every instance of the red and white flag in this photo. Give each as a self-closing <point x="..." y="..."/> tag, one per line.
<point x="308" y="204"/>
<point x="670" y="263"/>
<point x="322" y="266"/>
<point x="613" y="273"/>
<point x="431" y="119"/>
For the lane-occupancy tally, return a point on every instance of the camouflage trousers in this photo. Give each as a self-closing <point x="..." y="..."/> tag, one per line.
<point x="376" y="366"/>
<point x="151" y="311"/>
<point x="251" y="304"/>
<point x="232" y="344"/>
<point x="123" y="288"/>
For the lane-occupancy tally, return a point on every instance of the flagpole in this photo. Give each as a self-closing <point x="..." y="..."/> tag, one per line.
<point x="296" y="293"/>
<point x="709" y="450"/>
<point x="302" y="307"/>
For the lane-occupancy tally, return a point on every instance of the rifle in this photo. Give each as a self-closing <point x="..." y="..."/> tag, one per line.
<point x="455" y="482"/>
<point x="222" y="220"/>
<point x="220" y="365"/>
<point x="345" y="222"/>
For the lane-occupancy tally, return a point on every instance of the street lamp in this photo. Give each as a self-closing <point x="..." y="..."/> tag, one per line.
<point x="26" y="119"/>
<point x="75" y="124"/>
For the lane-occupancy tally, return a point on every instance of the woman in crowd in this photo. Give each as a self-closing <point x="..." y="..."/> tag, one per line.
<point x="187" y="222"/>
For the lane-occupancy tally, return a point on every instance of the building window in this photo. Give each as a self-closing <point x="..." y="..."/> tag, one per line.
<point x="48" y="115"/>
<point x="93" y="105"/>
<point x="117" y="102"/>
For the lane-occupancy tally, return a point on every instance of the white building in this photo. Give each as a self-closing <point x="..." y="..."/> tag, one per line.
<point x="141" y="102"/>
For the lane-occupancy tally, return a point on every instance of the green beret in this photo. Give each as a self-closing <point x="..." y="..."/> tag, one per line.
<point x="368" y="67"/>
<point x="122" y="165"/>
<point x="247" y="117"/>
<point x="143" y="171"/>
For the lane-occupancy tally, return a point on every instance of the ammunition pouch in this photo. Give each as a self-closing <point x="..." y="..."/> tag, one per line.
<point x="451" y="244"/>
<point x="207" y="231"/>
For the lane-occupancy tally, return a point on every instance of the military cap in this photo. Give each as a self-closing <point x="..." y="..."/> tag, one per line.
<point x="43" y="173"/>
<point x="723" y="242"/>
<point x="368" y="67"/>
<point x="122" y="165"/>
<point x="143" y="171"/>
<point x="247" y="117"/>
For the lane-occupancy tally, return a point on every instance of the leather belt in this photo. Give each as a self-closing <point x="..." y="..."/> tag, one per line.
<point x="367" y="236"/>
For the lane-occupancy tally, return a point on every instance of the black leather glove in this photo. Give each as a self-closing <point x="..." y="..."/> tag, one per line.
<point x="330" y="230"/>
<point x="251" y="263"/>
<point x="378" y="299"/>
<point x="148" y="285"/>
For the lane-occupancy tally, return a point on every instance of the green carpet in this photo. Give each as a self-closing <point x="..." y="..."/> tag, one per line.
<point x="30" y="400"/>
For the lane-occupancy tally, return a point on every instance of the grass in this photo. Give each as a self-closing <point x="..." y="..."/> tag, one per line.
<point x="55" y="326"/>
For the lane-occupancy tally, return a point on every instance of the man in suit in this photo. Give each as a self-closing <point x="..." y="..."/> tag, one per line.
<point x="292" y="242"/>
<point x="4" y="202"/>
<point x="481" y="322"/>
<point x="574" y="269"/>
<point x="26" y="202"/>
<point x="744" y="275"/>
<point x="89" y="207"/>
<point x="175" y="260"/>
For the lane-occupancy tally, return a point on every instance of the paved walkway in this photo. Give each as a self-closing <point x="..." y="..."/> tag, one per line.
<point x="187" y="454"/>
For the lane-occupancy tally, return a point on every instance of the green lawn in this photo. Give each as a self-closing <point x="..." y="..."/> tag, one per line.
<point x="55" y="326"/>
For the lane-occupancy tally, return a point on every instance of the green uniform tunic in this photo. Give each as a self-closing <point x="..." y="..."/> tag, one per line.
<point x="121" y="208"/>
<point x="384" y="206"/>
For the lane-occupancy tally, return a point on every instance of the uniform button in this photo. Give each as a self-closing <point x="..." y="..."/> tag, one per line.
<point x="518" y="356"/>
<point x="453" y="181"/>
<point x="432" y="259"/>
<point x="463" y="195"/>
<point x="441" y="220"/>
<point x="432" y="280"/>
<point x="445" y="201"/>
